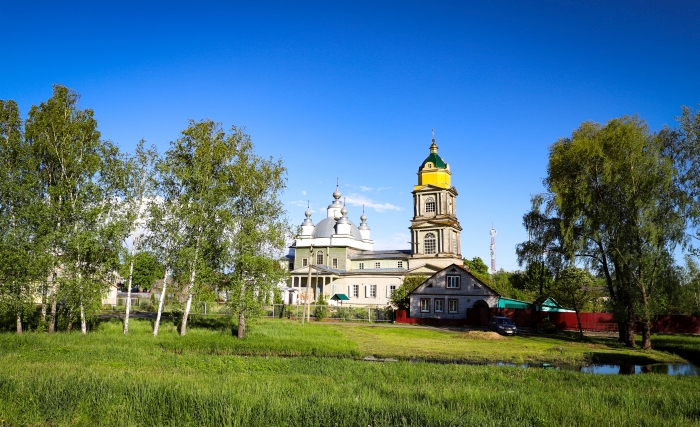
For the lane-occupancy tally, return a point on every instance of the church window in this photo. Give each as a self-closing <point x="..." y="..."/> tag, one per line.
<point x="304" y="262"/>
<point x="377" y="265"/>
<point x="319" y="257"/>
<point x="429" y="243"/>
<point x="429" y="204"/>
<point x="399" y="264"/>
<point x="335" y="262"/>
<point x="361" y="266"/>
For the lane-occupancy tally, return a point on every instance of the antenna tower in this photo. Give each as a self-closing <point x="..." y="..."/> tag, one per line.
<point x="493" y="249"/>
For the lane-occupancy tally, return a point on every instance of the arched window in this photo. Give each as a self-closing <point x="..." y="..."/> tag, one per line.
<point x="429" y="243"/>
<point x="430" y="204"/>
<point x="319" y="258"/>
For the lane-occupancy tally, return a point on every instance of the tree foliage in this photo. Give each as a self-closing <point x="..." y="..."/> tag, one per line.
<point x="573" y="288"/>
<point x="618" y="199"/>
<point x="400" y="297"/>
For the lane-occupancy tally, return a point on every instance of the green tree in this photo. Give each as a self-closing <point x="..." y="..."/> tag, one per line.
<point x="72" y="167"/>
<point x="139" y="191"/>
<point x="196" y="172"/>
<point x="476" y="265"/>
<point x="574" y="288"/>
<point x="613" y="200"/>
<point x="400" y="297"/>
<point x="22" y="258"/>
<point x="257" y="229"/>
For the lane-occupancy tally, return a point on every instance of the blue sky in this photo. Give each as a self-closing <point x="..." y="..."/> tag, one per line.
<point x="353" y="90"/>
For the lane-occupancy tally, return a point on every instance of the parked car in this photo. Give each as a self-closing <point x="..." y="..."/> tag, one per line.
<point x="502" y="325"/>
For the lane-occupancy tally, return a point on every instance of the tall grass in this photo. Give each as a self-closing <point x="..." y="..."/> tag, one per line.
<point x="107" y="379"/>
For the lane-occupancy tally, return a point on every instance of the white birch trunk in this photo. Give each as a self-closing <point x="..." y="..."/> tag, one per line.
<point x="128" y="292"/>
<point x="160" y="304"/>
<point x="188" y="304"/>
<point x="83" y="324"/>
<point x="19" y="324"/>
<point x="186" y="314"/>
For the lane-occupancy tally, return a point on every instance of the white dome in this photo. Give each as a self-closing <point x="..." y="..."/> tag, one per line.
<point x="326" y="228"/>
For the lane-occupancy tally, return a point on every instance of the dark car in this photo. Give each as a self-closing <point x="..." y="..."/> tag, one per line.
<point x="502" y="325"/>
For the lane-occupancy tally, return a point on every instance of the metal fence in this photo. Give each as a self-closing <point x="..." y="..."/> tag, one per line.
<point x="151" y="305"/>
<point x="334" y="313"/>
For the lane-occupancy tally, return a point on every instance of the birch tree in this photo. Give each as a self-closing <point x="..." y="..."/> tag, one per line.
<point x="196" y="175"/>
<point x="139" y="191"/>
<point x="22" y="259"/>
<point x="257" y="230"/>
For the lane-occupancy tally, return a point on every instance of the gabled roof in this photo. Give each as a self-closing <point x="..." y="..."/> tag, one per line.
<point x="462" y="269"/>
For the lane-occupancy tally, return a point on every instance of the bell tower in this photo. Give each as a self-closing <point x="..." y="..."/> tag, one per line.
<point x="435" y="230"/>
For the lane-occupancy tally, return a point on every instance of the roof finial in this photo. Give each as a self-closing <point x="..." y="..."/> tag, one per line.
<point x="308" y="204"/>
<point x="433" y="146"/>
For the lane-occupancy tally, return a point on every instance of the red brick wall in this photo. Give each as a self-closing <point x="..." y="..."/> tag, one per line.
<point x="590" y="321"/>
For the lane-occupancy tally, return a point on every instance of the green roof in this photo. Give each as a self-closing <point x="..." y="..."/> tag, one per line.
<point x="435" y="160"/>
<point x="340" y="297"/>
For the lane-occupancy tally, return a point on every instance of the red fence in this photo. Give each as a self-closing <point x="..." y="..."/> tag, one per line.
<point x="530" y="318"/>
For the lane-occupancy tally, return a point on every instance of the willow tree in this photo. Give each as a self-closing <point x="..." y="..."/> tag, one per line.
<point x="613" y="201"/>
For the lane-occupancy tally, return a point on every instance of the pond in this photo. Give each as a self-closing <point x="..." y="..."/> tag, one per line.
<point x="687" y="369"/>
<point x="657" y="368"/>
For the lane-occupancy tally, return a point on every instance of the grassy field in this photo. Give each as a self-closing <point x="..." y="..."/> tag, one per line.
<point x="211" y="378"/>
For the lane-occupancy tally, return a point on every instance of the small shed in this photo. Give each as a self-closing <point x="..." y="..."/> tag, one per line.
<point x="339" y="298"/>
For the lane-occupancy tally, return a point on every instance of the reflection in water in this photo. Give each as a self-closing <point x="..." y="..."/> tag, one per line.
<point x="661" y="368"/>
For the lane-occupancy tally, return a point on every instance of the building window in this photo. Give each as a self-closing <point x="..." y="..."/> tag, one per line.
<point x="370" y="291"/>
<point x="335" y="262"/>
<point x="377" y="265"/>
<point x="361" y="266"/>
<point x="304" y="262"/>
<point x="399" y="264"/>
<point x="392" y="288"/>
<point x="429" y="243"/>
<point x="452" y="282"/>
<point x="429" y="204"/>
<point x="439" y="305"/>
<point x="425" y="305"/>
<point x="319" y="258"/>
<point x="355" y="291"/>
<point x="452" y="306"/>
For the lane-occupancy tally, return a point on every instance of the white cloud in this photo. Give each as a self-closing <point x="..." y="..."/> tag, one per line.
<point x="363" y="188"/>
<point x="396" y="241"/>
<point x="303" y="192"/>
<point x="383" y="188"/>
<point x="360" y="200"/>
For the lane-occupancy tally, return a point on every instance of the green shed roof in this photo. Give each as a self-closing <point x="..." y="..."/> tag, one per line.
<point x="434" y="159"/>
<point x="340" y="297"/>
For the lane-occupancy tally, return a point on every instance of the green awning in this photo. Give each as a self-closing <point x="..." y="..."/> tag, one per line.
<point x="340" y="297"/>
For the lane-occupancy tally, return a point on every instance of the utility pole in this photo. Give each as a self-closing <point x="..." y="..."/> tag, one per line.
<point x="306" y="313"/>
<point x="493" y="249"/>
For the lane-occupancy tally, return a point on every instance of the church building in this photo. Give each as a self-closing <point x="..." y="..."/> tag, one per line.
<point x="342" y="256"/>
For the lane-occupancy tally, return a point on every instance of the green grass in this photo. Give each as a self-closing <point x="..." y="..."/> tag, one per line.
<point x="561" y="349"/>
<point x="211" y="378"/>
